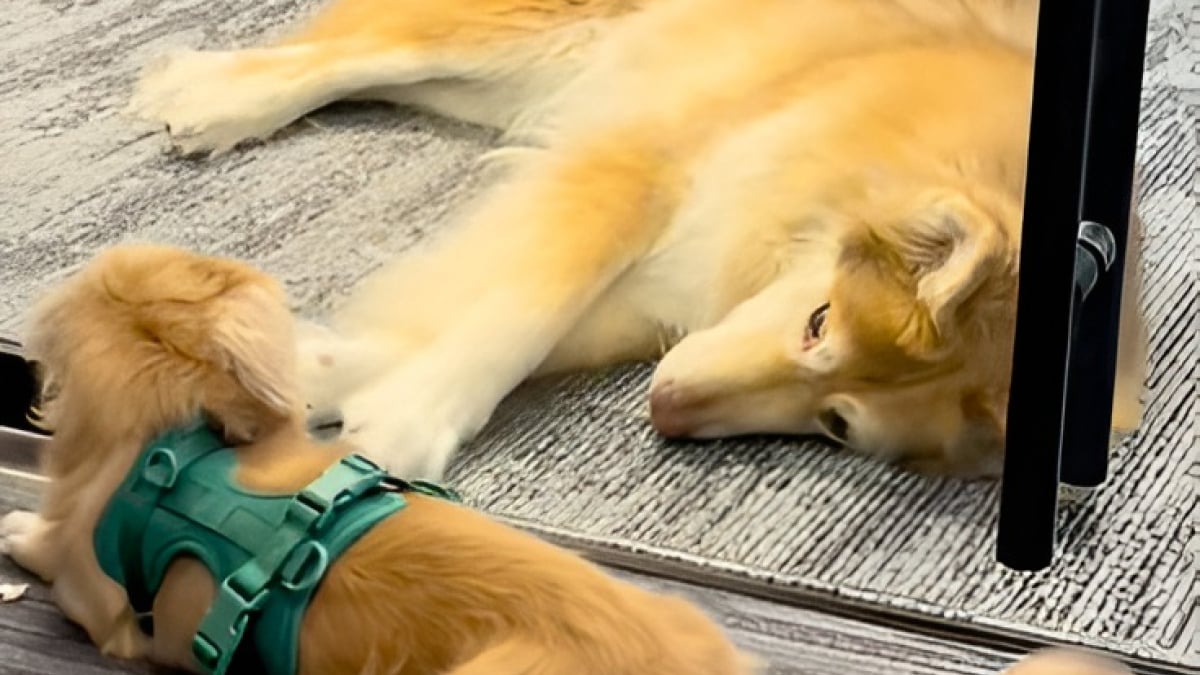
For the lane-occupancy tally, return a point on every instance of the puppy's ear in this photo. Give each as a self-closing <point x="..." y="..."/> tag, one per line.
<point x="212" y="311"/>
<point x="254" y="335"/>
<point x="143" y="274"/>
<point x="935" y="259"/>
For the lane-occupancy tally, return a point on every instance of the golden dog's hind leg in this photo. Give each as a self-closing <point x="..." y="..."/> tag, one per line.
<point x="212" y="100"/>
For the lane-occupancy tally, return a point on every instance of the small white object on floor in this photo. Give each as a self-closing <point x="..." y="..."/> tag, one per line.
<point x="12" y="592"/>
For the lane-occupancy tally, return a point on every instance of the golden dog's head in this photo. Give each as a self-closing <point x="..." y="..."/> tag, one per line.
<point x="146" y="337"/>
<point x="893" y="339"/>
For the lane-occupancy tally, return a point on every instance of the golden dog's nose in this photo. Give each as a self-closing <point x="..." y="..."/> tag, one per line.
<point x="668" y="412"/>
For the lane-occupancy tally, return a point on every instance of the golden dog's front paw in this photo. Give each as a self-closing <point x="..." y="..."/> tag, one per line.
<point x="414" y="419"/>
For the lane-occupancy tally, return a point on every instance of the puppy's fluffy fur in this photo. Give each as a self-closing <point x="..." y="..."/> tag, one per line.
<point x="717" y="170"/>
<point x="144" y="339"/>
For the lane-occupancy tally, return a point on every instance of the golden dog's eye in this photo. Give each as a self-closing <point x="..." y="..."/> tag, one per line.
<point x="835" y="425"/>
<point x="816" y="324"/>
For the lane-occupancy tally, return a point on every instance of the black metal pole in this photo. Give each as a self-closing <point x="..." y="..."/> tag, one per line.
<point x="1118" y="63"/>
<point x="1029" y="490"/>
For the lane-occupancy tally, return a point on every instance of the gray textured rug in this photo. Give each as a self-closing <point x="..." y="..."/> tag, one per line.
<point x="337" y="195"/>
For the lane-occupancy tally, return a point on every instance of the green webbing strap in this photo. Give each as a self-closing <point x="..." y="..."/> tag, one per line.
<point x="292" y="557"/>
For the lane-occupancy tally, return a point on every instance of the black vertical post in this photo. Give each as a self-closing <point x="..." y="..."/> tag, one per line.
<point x="1118" y="63"/>
<point x="1029" y="490"/>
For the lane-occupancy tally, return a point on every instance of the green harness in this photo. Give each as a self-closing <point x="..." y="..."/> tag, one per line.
<point x="268" y="551"/>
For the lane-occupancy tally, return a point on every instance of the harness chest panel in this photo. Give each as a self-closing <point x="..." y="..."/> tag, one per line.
<point x="267" y="552"/>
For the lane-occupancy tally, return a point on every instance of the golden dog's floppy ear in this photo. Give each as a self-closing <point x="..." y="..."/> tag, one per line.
<point x="933" y="263"/>
<point x="955" y="247"/>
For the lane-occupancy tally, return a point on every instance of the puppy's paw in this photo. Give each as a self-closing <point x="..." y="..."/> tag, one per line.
<point x="411" y="429"/>
<point x="21" y="538"/>
<point x="17" y="527"/>
<point x="19" y="522"/>
<point x="127" y="641"/>
<point x="212" y="101"/>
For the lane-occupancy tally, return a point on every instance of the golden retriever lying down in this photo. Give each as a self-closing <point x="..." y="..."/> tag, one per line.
<point x="146" y="338"/>
<point x="818" y="200"/>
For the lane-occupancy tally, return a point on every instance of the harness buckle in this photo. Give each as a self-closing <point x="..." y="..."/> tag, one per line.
<point x="221" y="631"/>
<point x="215" y="654"/>
<point x="361" y="464"/>
<point x="305" y="566"/>
<point x="307" y="508"/>
<point x="351" y="477"/>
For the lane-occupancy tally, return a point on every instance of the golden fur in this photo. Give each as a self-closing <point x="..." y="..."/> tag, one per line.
<point x="711" y="170"/>
<point x="145" y="338"/>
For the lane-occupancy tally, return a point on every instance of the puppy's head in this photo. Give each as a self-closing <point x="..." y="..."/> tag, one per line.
<point x="146" y="337"/>
<point x="894" y="340"/>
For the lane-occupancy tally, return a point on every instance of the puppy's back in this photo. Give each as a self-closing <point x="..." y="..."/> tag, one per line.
<point x="438" y="584"/>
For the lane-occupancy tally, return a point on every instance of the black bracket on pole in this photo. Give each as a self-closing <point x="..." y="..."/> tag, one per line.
<point x="1079" y="179"/>
<point x="1094" y="255"/>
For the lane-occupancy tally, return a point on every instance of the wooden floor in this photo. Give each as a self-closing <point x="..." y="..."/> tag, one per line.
<point x="36" y="639"/>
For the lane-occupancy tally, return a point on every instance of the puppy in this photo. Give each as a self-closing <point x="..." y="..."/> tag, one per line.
<point x="146" y="338"/>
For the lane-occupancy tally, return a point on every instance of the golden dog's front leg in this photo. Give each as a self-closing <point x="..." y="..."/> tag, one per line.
<point x="495" y="297"/>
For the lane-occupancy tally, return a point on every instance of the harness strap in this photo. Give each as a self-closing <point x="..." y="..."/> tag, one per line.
<point x="292" y="557"/>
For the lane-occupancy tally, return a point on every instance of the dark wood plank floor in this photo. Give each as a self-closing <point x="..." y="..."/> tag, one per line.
<point x="35" y="639"/>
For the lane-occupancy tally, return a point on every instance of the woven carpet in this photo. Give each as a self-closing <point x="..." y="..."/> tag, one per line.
<point x="575" y="459"/>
